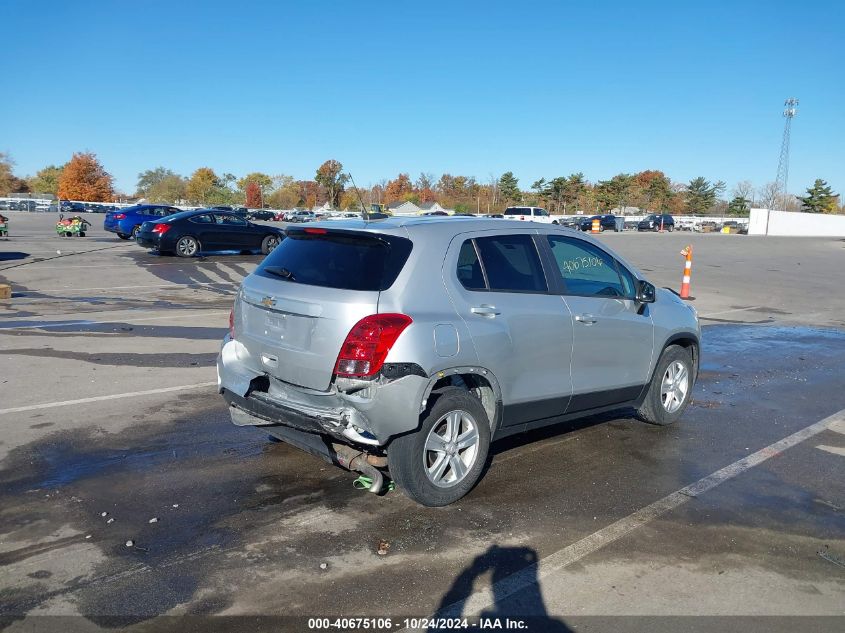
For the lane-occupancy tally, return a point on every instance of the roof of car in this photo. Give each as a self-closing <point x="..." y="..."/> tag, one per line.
<point x="435" y="223"/>
<point x="440" y="227"/>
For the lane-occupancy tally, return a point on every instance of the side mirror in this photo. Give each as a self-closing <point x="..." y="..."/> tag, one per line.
<point x="645" y="292"/>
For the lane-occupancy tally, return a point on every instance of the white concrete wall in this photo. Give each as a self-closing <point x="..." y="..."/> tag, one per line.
<point x="767" y="222"/>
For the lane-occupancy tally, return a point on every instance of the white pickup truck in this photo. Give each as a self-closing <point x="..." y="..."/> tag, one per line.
<point x="529" y="214"/>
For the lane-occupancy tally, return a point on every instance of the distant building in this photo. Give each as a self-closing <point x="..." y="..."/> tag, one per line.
<point x="403" y="207"/>
<point x="431" y="207"/>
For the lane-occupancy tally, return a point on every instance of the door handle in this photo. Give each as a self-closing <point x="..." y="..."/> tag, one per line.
<point x="586" y="319"/>
<point x="485" y="310"/>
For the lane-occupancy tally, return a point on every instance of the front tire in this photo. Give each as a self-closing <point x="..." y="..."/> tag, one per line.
<point x="135" y="231"/>
<point x="123" y="236"/>
<point x="269" y="243"/>
<point x="187" y="246"/>
<point x="670" y="390"/>
<point x="442" y="461"/>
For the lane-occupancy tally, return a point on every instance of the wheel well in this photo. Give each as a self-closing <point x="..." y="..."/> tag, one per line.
<point x="688" y="343"/>
<point x="478" y="386"/>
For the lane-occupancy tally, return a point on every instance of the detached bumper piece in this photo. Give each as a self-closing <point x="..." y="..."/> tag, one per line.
<point x="304" y="432"/>
<point x="258" y="410"/>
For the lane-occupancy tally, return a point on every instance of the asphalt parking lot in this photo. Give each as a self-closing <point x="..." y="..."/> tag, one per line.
<point x="108" y="405"/>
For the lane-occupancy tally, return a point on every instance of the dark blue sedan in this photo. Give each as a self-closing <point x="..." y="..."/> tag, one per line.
<point x="202" y="230"/>
<point x="127" y="222"/>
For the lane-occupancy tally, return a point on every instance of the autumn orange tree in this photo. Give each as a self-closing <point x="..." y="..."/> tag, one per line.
<point x="397" y="189"/>
<point x="253" y="195"/>
<point x="84" y="178"/>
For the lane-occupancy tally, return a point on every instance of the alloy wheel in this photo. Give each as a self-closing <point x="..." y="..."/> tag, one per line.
<point x="451" y="449"/>
<point x="674" y="386"/>
<point x="187" y="247"/>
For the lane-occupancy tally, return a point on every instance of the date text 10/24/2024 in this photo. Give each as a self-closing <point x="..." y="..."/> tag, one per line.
<point x="428" y="624"/>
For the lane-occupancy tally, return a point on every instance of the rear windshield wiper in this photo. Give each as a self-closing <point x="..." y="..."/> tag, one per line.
<point x="284" y="273"/>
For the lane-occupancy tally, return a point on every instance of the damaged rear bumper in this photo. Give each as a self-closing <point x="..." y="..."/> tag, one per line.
<point x="368" y="414"/>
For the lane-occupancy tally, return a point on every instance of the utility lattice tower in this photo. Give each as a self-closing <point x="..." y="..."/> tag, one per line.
<point x="789" y="112"/>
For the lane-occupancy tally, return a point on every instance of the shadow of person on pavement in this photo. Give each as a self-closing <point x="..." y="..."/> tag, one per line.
<point x="515" y="588"/>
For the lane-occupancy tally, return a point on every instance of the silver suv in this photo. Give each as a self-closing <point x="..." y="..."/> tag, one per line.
<point x="412" y="343"/>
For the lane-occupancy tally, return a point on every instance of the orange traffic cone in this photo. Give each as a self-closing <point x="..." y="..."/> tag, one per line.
<point x="596" y="227"/>
<point x="687" y="253"/>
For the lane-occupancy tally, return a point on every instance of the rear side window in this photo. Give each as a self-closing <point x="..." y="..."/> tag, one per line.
<point x="229" y="220"/>
<point x="469" y="268"/>
<point x="347" y="260"/>
<point x="512" y="263"/>
<point x="201" y="219"/>
<point x="518" y="211"/>
<point x="587" y="270"/>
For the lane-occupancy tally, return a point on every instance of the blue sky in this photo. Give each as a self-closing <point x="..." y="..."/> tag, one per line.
<point x="473" y="88"/>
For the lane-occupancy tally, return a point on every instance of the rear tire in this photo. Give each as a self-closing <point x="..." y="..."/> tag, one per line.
<point x="269" y="243"/>
<point x="670" y="390"/>
<point x="442" y="461"/>
<point x="187" y="246"/>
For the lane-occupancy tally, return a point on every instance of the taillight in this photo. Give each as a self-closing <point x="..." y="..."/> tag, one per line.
<point x="313" y="231"/>
<point x="161" y="228"/>
<point x="368" y="342"/>
<point x="232" y="324"/>
<point x="118" y="216"/>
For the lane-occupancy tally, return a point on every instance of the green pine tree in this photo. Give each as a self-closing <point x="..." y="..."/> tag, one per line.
<point x="739" y="206"/>
<point x="820" y="198"/>
<point x="509" y="187"/>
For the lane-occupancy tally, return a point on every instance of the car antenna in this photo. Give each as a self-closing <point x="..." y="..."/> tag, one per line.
<point x="364" y="213"/>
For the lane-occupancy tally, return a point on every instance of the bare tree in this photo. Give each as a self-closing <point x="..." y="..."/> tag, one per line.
<point x="789" y="202"/>
<point x="744" y="189"/>
<point x="493" y="182"/>
<point x="769" y="196"/>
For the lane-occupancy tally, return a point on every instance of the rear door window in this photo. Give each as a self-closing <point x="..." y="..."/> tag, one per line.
<point x="512" y="263"/>
<point x="587" y="270"/>
<point x="346" y="260"/>
<point x="469" y="268"/>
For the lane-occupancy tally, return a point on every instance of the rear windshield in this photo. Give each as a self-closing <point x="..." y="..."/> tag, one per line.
<point x="348" y="260"/>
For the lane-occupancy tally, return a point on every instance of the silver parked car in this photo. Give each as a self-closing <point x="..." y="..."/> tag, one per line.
<point x="412" y="343"/>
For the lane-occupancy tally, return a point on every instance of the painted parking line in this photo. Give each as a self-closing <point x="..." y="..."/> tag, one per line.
<point x="831" y="449"/>
<point x="837" y="427"/>
<point x="561" y="559"/>
<point x="176" y="286"/>
<point x="174" y="263"/>
<point x="115" y="396"/>
<point x="131" y="319"/>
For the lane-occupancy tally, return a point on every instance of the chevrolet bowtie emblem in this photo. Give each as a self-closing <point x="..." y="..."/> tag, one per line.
<point x="268" y="302"/>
